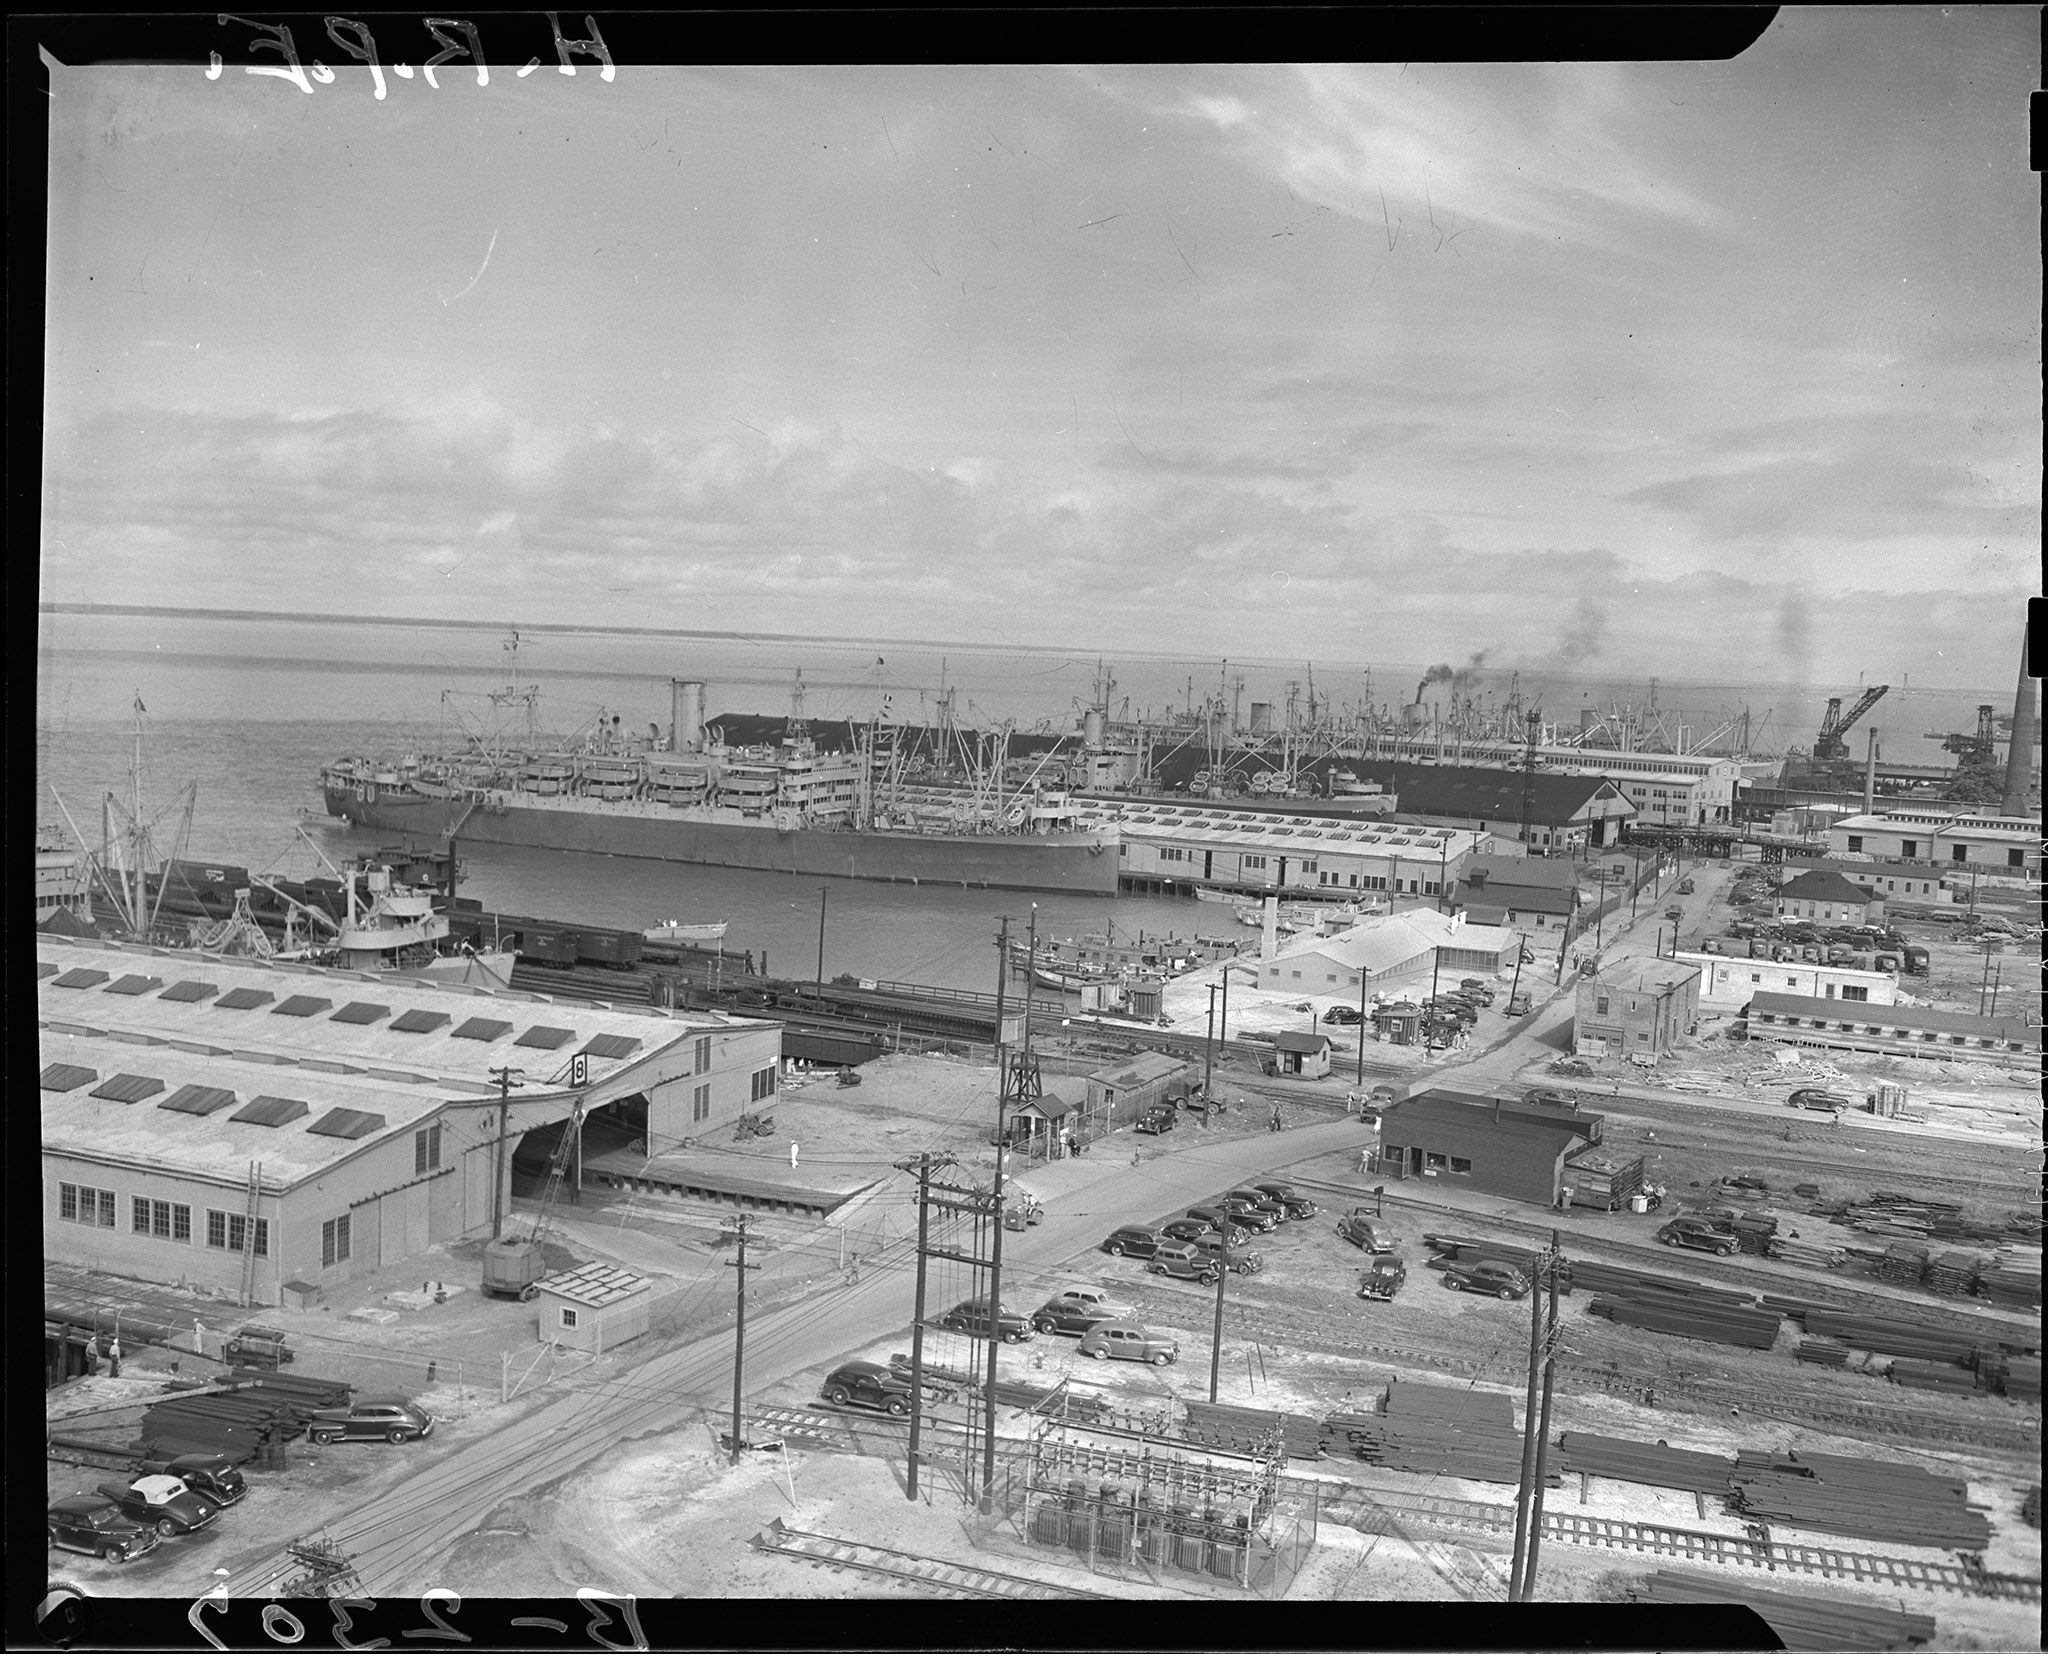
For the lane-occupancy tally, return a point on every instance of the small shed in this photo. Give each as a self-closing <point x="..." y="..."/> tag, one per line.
<point x="1038" y="1129"/>
<point x="1303" y="1056"/>
<point x="1398" y="1024"/>
<point x="1127" y="1089"/>
<point x="596" y="1307"/>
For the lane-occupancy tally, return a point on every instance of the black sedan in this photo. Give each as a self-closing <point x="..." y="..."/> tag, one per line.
<point x="868" y="1384"/>
<point x="86" y="1522"/>
<point x="161" y="1502"/>
<point x="1133" y="1240"/>
<point x="387" y="1418"/>
<point x="973" y="1318"/>
<point x="1062" y="1315"/>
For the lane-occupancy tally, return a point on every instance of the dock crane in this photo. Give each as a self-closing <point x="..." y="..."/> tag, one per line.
<point x="1829" y="745"/>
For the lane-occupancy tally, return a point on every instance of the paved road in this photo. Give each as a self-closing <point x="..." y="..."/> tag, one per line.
<point x="399" y="1539"/>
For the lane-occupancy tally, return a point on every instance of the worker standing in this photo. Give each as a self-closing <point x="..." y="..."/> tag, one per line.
<point x="92" y="1355"/>
<point x="114" y="1356"/>
<point x="792" y="1157"/>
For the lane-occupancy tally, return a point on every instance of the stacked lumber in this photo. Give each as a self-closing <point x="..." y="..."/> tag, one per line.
<point x="1755" y="1329"/>
<point x="1862" y="1498"/>
<point x="1248" y="1429"/>
<point x="1799" y="1622"/>
<point x="2011" y="1279"/>
<point x="1931" y="1375"/>
<point x="1822" y="1352"/>
<point x="2017" y="1376"/>
<point x="1813" y="1254"/>
<point x="243" y="1427"/>
<point x="1952" y="1274"/>
<point x="1904" y="1262"/>
<point x="1891" y="1213"/>
<point x="1650" y="1463"/>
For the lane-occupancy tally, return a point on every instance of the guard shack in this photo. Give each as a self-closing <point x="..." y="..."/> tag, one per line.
<point x="1301" y="1056"/>
<point x="596" y="1307"/>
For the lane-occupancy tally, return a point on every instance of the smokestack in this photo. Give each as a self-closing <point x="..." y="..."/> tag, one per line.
<point x="1870" y="775"/>
<point x="2019" y="757"/>
<point x="687" y="705"/>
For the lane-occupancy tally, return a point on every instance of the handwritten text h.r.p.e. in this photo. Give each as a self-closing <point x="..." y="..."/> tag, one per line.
<point x="354" y="38"/>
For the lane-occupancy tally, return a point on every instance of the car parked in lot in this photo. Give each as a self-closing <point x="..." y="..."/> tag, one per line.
<point x="1184" y="1262"/>
<point x="1218" y="1219"/>
<point x="1057" y="1315"/>
<point x="972" y="1317"/>
<point x="1698" y="1234"/>
<point x="1503" y="1280"/>
<point x="1259" y="1201"/>
<point x="95" y="1526"/>
<point x="1362" y="1229"/>
<point x="1193" y="1229"/>
<point x="1298" y="1204"/>
<point x="1260" y="1219"/>
<point x="1810" y="1097"/>
<point x="1121" y="1341"/>
<point x="1242" y="1260"/>
<point x="1518" y="1005"/>
<point x="1132" y="1240"/>
<point x="161" y="1502"/>
<point x="1157" y="1120"/>
<point x="1549" y="1097"/>
<point x="1382" y="1278"/>
<point x="1096" y="1298"/>
<point x="868" y="1384"/>
<point x="1345" y="1014"/>
<point x="389" y="1418"/>
<point x="212" y="1476"/>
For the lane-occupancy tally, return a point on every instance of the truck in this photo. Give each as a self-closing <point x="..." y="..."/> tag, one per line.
<point x="1917" y="961"/>
<point x="1602" y="1181"/>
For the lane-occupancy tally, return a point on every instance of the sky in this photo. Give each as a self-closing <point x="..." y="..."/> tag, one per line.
<point x="1725" y="369"/>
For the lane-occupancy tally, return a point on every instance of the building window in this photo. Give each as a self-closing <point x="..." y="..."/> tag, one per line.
<point x="568" y="1316"/>
<point x="1460" y="1167"/>
<point x="1958" y="852"/>
<point x="1435" y="1162"/>
<point x="334" y="1239"/>
<point x="138" y="1209"/>
<point x="703" y="1056"/>
<point x="80" y="1203"/>
<point x="1851" y="991"/>
<point x="426" y="1149"/>
<point x="1251" y="862"/>
<point x="231" y="1229"/>
<point x="2015" y="858"/>
<point x="1855" y="841"/>
<point x="1600" y="1006"/>
<point x="1295" y="974"/>
<point x="700" y="1104"/>
<point x="1307" y="868"/>
<point x="159" y="1218"/>
<point x="1909" y="847"/>
<point x="764" y="1083"/>
<point x="1642" y="1039"/>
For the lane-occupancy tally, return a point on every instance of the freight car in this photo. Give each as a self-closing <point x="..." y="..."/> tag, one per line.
<point x="559" y="946"/>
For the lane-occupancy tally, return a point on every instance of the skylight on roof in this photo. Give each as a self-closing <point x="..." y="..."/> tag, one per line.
<point x="128" y="1088"/>
<point x="545" y="1038"/>
<point x="301" y="1005"/>
<point x="198" y="1099"/>
<point x="187" y="993"/>
<point x="80" y="978"/>
<point x="346" y="1122"/>
<point x="419" y="1022"/>
<point x="360" y="1012"/>
<point x="66" y="1076"/>
<point x="612" y="1045"/>
<point x="272" y="1111"/>
<point x="482" y="1028"/>
<point x="243" y="999"/>
<point x="135" y="984"/>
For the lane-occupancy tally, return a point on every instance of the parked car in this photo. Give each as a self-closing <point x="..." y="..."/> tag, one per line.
<point x="1698" y="1234"/>
<point x="1686" y="887"/>
<point x="161" y="1502"/>
<point x="88" y="1523"/>
<point x="1547" y="1097"/>
<point x="1218" y="1219"/>
<point x="1259" y="1200"/>
<point x="1095" y="1298"/>
<point x="1298" y="1204"/>
<point x="972" y="1317"/>
<point x="1382" y="1278"/>
<point x="1157" y="1120"/>
<point x="1133" y="1240"/>
<point x="1121" y="1341"/>
<point x="1057" y="1315"/>
<point x="1503" y="1280"/>
<point x="1364" y="1230"/>
<point x="1262" y="1218"/>
<point x="1242" y="1260"/>
<point x="212" y="1476"/>
<point x="868" y="1384"/>
<point x="1826" y="1101"/>
<point x="1518" y="1005"/>
<point x="1189" y="1230"/>
<point x="1183" y="1262"/>
<point x="392" y="1417"/>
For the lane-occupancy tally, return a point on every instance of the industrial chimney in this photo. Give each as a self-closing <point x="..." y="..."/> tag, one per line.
<point x="1870" y="775"/>
<point x="2019" y="757"/>
<point x="687" y="704"/>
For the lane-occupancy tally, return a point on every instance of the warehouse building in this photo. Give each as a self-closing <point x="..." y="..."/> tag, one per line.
<point x="1566" y="812"/>
<point x="1712" y="784"/>
<point x="1636" y="1009"/>
<point x="1392" y="948"/>
<point x="1951" y="840"/>
<point x="1530" y="892"/>
<point x="1310" y="851"/>
<point x="1826" y="897"/>
<point x="1483" y="1143"/>
<point x="1891" y="1030"/>
<point x="1728" y="983"/>
<point x="207" y="1118"/>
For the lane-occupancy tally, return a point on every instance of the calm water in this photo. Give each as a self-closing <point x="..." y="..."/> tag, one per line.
<point x="249" y="710"/>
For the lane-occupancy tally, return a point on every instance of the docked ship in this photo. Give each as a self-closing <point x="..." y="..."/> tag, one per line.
<point x="688" y="797"/>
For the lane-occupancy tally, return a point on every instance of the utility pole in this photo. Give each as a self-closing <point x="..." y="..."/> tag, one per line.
<point x="1554" y="1261"/>
<point x="505" y="1076"/>
<point x="739" y="1347"/>
<point x="1216" y="1337"/>
<point x="924" y="1189"/>
<point x="1362" y="980"/>
<point x="1209" y="1039"/>
<point x="823" y="892"/>
<point x="1026" y="1082"/>
<point x="1519" y="1564"/>
<point x="1223" y="1028"/>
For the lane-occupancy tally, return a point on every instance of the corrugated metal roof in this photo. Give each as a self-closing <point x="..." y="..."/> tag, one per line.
<point x="243" y="999"/>
<point x="187" y="993"/>
<point x="135" y="984"/>
<point x="67" y="1076"/>
<point x="483" y="1028"/>
<point x="544" y="1038"/>
<point x="419" y="1021"/>
<point x="128" y="1088"/>
<point x="197" y="1099"/>
<point x="80" y="978"/>
<point x="271" y="1111"/>
<point x="346" y="1122"/>
<point x="301" y="1005"/>
<point x="361" y="1012"/>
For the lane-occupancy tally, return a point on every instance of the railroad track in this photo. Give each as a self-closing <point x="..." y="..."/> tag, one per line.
<point x="1690" y="1544"/>
<point x="931" y="1572"/>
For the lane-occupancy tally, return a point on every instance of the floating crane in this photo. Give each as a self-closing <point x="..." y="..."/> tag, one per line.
<point x="1829" y="745"/>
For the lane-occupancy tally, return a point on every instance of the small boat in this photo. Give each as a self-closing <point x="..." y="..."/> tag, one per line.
<point x="677" y="934"/>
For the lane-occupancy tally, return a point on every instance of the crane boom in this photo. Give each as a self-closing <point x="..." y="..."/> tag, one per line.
<point x="1829" y="743"/>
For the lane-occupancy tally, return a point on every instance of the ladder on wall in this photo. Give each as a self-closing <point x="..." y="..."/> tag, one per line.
<point x="249" y="1233"/>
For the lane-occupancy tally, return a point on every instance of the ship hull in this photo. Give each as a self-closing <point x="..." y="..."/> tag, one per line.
<point x="1074" y="863"/>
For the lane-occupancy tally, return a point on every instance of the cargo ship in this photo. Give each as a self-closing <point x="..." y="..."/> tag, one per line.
<point x="685" y="796"/>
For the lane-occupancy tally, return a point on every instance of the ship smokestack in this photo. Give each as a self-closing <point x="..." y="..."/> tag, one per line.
<point x="2019" y="756"/>
<point x="687" y="706"/>
<point x="1870" y="775"/>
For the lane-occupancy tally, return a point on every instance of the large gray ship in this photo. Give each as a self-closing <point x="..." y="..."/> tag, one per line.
<point x="686" y="797"/>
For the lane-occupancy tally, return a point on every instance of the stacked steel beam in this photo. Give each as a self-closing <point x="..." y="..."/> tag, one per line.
<point x="1755" y="1329"/>
<point x="1651" y="1463"/>
<point x="1922" y="1340"/>
<point x="1822" y="1352"/>
<point x="1904" y="1262"/>
<point x="1951" y="1273"/>
<point x="1248" y="1429"/>
<point x="1863" y="1498"/>
<point x="1640" y="1283"/>
<point x="1799" y="1622"/>
<point x="1430" y="1446"/>
<point x="1456" y="1404"/>
<point x="1931" y="1375"/>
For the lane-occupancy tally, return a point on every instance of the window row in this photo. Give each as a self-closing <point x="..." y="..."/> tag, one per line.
<point x="158" y="1219"/>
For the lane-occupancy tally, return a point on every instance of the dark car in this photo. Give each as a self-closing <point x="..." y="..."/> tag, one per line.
<point x="1062" y="1315"/>
<point x="1184" y="1262"/>
<point x="1698" y="1234"/>
<point x="1157" y="1120"/>
<point x="1193" y="1229"/>
<point x="972" y="1317"/>
<point x="1298" y="1204"/>
<point x="212" y="1476"/>
<point x="161" y="1502"/>
<point x="385" y="1418"/>
<point x="1382" y="1278"/>
<point x="1123" y="1341"/>
<point x="1217" y="1218"/>
<point x="1261" y="1216"/>
<point x="1259" y="1201"/>
<point x="1241" y="1259"/>
<point x="1133" y="1240"/>
<point x="1545" y="1097"/>
<point x="1503" y="1280"/>
<point x="868" y="1384"/>
<point x="1808" y="1097"/>
<point x="1343" y="1013"/>
<point x="86" y="1522"/>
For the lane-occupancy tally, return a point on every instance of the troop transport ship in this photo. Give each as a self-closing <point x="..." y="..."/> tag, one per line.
<point x="788" y="808"/>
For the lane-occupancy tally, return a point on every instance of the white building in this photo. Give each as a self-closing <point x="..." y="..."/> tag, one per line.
<point x="1394" y="948"/>
<point x="1728" y="984"/>
<point x="1955" y="841"/>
